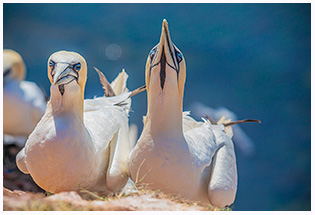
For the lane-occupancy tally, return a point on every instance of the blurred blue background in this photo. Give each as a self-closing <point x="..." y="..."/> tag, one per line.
<point x="254" y="59"/>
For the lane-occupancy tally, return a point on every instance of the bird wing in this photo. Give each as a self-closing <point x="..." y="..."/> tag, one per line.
<point x="133" y="135"/>
<point x="223" y="183"/>
<point x="103" y="116"/>
<point x="213" y="150"/>
<point x="107" y="124"/>
<point x="189" y="122"/>
<point x="240" y="138"/>
<point x="99" y="103"/>
<point x="119" y="84"/>
<point x="119" y="152"/>
<point x="200" y="138"/>
<point x="20" y="161"/>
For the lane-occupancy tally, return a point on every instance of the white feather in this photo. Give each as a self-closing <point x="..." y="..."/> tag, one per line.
<point x="77" y="144"/>
<point x="175" y="153"/>
<point x="240" y="138"/>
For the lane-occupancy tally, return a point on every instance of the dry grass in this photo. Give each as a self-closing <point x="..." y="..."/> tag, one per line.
<point x="143" y="190"/>
<point x="143" y="199"/>
<point x="136" y="197"/>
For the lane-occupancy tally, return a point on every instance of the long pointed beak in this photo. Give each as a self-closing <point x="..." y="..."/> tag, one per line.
<point x="166" y="43"/>
<point x="165" y="38"/>
<point x="63" y="74"/>
<point x="162" y="57"/>
<point x="166" y="53"/>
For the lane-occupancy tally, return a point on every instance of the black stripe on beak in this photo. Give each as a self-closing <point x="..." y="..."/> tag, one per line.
<point x="163" y="67"/>
<point x="170" y="50"/>
<point x="163" y="63"/>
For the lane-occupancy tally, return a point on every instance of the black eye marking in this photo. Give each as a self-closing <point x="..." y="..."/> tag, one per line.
<point x="152" y="53"/>
<point x="163" y="63"/>
<point x="179" y="56"/>
<point x="76" y="68"/>
<point x="52" y="67"/>
<point x="51" y="63"/>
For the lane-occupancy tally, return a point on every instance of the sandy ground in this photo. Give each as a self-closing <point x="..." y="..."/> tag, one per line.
<point x="20" y="193"/>
<point x="25" y="201"/>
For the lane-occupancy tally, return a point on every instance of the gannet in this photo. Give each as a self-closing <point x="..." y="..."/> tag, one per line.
<point x="23" y="102"/>
<point x="78" y="142"/>
<point x="240" y="138"/>
<point x="175" y="153"/>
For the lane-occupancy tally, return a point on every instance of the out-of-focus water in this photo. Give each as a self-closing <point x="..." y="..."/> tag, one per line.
<point x="254" y="59"/>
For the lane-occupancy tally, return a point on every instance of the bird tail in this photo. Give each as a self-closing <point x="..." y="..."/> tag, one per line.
<point x="119" y="84"/>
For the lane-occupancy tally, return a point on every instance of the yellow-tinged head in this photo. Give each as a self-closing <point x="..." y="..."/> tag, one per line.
<point x="13" y="65"/>
<point x="165" y="65"/>
<point x="66" y="69"/>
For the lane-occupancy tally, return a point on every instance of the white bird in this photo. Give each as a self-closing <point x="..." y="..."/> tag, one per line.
<point x="176" y="154"/>
<point x="78" y="142"/>
<point x="23" y="102"/>
<point x="240" y="138"/>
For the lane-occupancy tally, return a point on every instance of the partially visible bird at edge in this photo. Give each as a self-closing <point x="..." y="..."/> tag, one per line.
<point x="24" y="102"/>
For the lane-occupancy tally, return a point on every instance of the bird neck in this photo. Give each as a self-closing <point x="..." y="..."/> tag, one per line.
<point x="164" y="116"/>
<point x="70" y="103"/>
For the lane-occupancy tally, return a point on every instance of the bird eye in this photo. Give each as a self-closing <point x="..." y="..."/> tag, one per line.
<point x="152" y="53"/>
<point x="77" y="66"/>
<point x="51" y="63"/>
<point x="179" y="56"/>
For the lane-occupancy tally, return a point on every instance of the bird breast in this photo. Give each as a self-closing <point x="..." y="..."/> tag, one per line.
<point x="59" y="154"/>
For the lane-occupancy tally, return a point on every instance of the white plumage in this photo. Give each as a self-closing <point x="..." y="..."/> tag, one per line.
<point x="175" y="153"/>
<point x="240" y="138"/>
<point x="23" y="101"/>
<point x="78" y="142"/>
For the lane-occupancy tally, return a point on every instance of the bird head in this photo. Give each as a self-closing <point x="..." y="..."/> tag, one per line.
<point x="67" y="71"/>
<point x="13" y="65"/>
<point x="165" y="67"/>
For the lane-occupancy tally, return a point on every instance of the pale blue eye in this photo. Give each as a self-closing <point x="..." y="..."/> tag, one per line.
<point x="51" y="63"/>
<point x="179" y="57"/>
<point x="152" y="53"/>
<point x="77" y="67"/>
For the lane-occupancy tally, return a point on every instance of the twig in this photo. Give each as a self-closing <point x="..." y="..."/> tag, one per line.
<point x="241" y="121"/>
<point x="91" y="193"/>
<point x="138" y="90"/>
